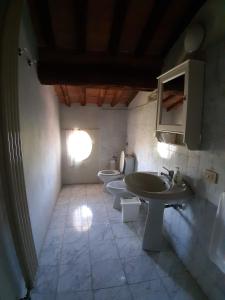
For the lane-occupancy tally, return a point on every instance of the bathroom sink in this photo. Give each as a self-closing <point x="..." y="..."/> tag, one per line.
<point x="145" y="184"/>
<point x="156" y="191"/>
<point x="150" y="186"/>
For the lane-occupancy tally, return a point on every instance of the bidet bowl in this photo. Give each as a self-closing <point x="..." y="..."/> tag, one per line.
<point x="118" y="189"/>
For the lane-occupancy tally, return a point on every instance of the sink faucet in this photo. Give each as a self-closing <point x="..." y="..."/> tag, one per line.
<point x="169" y="175"/>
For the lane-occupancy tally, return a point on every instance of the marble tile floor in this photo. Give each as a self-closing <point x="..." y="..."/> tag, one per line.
<point x="89" y="254"/>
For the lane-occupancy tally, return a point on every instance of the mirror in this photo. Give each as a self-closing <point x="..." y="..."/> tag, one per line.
<point x="172" y="101"/>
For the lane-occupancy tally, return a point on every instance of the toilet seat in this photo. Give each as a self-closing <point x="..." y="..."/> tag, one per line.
<point x="126" y="166"/>
<point x="108" y="172"/>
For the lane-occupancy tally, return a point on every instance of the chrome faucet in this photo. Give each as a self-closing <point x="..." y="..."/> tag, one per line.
<point x="169" y="175"/>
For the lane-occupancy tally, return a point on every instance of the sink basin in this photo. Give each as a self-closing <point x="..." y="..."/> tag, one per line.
<point x="146" y="185"/>
<point x="157" y="191"/>
<point x="151" y="186"/>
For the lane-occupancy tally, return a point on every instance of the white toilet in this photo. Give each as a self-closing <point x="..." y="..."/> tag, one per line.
<point x="126" y="167"/>
<point x="118" y="189"/>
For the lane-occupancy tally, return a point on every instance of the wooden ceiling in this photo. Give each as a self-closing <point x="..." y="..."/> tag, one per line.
<point x="97" y="49"/>
<point x="69" y="94"/>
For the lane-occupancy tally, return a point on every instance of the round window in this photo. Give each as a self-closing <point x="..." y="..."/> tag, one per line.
<point x="79" y="145"/>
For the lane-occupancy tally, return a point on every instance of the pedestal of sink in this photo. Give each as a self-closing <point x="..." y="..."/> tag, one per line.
<point x="153" y="226"/>
<point x="157" y="192"/>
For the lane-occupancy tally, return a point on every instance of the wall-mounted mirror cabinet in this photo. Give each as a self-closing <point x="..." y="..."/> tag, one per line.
<point x="179" y="109"/>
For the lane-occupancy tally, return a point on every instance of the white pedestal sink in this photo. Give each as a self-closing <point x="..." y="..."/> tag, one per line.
<point x="157" y="192"/>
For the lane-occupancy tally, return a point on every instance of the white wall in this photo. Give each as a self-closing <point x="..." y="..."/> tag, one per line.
<point x="40" y="137"/>
<point x="110" y="131"/>
<point x="189" y="230"/>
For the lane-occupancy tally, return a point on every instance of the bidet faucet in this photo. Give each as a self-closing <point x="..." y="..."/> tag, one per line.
<point x="169" y="175"/>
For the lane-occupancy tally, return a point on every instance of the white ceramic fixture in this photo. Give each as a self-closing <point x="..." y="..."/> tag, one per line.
<point x="157" y="191"/>
<point x="126" y="167"/>
<point x="118" y="189"/>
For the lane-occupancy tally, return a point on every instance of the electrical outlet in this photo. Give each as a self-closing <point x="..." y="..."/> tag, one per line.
<point x="211" y="176"/>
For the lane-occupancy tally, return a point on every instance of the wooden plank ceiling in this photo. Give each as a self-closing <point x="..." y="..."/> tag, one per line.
<point x="104" y="51"/>
<point x="69" y="94"/>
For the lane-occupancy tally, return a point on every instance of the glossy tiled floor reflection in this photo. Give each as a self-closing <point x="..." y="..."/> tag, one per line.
<point x="90" y="254"/>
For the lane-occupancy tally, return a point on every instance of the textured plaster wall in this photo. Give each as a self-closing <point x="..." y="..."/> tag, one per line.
<point x="40" y="137"/>
<point x="106" y="126"/>
<point x="189" y="230"/>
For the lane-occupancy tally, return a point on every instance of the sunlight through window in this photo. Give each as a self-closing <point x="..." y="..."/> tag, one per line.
<point x="82" y="218"/>
<point x="79" y="146"/>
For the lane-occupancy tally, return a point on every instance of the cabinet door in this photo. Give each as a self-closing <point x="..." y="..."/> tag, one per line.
<point x="172" y="102"/>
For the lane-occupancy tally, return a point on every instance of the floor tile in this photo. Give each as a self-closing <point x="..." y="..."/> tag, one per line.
<point x="63" y="200"/>
<point x="98" y="208"/>
<point x="60" y="210"/>
<point x="150" y="290"/>
<point x="90" y="254"/>
<point x="167" y="263"/>
<point x="182" y="287"/>
<point x="74" y="277"/>
<point x="87" y="295"/>
<point x="140" y="227"/>
<point x="96" y="219"/>
<point x="46" y="279"/>
<point x="77" y="217"/>
<point x="115" y="216"/>
<point x="43" y="296"/>
<point x="121" y="230"/>
<point x="139" y="268"/>
<point x="53" y="237"/>
<point x="95" y="198"/>
<point x="107" y="273"/>
<point x="73" y="253"/>
<point x="75" y="235"/>
<point x="103" y="250"/>
<point x="50" y="255"/>
<point x="57" y="223"/>
<point x="116" y="293"/>
<point x="100" y="232"/>
<point x="129" y="246"/>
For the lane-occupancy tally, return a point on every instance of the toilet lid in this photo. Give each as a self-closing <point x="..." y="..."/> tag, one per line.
<point x="122" y="160"/>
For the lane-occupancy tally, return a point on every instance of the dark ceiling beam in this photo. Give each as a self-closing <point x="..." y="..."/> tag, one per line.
<point x="159" y="9"/>
<point x="131" y="97"/>
<point x="182" y="24"/>
<point x="117" y="97"/>
<point x="80" y="13"/>
<point x="83" y="99"/>
<point x="40" y="9"/>
<point x="67" y="56"/>
<point x="120" y="10"/>
<point x="97" y="74"/>
<point x="101" y="96"/>
<point x="66" y="97"/>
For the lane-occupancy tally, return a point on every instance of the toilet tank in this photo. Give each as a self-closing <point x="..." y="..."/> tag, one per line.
<point x="129" y="164"/>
